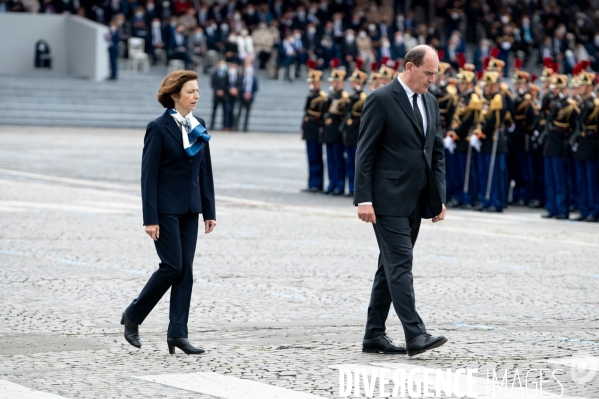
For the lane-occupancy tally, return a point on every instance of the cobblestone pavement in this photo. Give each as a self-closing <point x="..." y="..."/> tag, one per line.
<point x="281" y="287"/>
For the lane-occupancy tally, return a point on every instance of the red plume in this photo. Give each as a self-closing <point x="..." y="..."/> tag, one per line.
<point x="576" y="69"/>
<point x="585" y="65"/>
<point x="494" y="52"/>
<point x="359" y="63"/>
<point x="335" y="62"/>
<point x="374" y="66"/>
<point x="555" y="67"/>
<point x="396" y="65"/>
<point x="486" y="63"/>
<point x="517" y="63"/>
<point x="461" y="60"/>
<point x="597" y="80"/>
<point x="441" y="54"/>
<point x="533" y="78"/>
<point x="384" y="60"/>
<point x="479" y="75"/>
<point x="547" y="62"/>
<point x="311" y="64"/>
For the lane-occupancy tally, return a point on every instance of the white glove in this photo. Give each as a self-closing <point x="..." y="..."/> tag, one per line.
<point x="475" y="142"/>
<point x="449" y="144"/>
<point x="512" y="128"/>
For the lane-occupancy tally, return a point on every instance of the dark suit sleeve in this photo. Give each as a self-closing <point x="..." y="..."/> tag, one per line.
<point x="438" y="158"/>
<point x="371" y="126"/>
<point x="150" y="163"/>
<point x="207" y="183"/>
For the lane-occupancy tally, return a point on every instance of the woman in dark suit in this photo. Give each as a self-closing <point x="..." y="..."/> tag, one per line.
<point x="176" y="186"/>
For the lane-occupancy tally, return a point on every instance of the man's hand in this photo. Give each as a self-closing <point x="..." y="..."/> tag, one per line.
<point x="153" y="230"/>
<point x="366" y="213"/>
<point x="209" y="225"/>
<point x="220" y="93"/>
<point x="441" y="216"/>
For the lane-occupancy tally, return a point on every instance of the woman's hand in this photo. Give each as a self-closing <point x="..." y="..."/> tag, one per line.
<point x="209" y="225"/>
<point x="153" y="231"/>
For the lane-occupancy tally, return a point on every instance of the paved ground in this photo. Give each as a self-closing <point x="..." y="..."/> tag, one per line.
<point x="281" y="287"/>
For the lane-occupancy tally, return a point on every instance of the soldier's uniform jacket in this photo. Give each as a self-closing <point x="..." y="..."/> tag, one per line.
<point x="495" y="112"/>
<point x="466" y="115"/>
<point x="334" y="115"/>
<point x="314" y="115"/>
<point x="448" y="98"/>
<point x="525" y="117"/>
<point x="353" y="116"/>
<point x="587" y="140"/>
<point x="544" y="111"/>
<point x="562" y="122"/>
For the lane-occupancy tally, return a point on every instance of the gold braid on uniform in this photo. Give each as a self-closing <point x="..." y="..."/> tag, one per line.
<point x="565" y="112"/>
<point x="356" y="108"/>
<point x="593" y="116"/>
<point x="317" y="102"/>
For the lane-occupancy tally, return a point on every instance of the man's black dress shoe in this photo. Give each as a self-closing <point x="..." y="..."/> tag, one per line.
<point x="562" y="217"/>
<point x="534" y="204"/>
<point x="337" y="192"/>
<point x="382" y="344"/>
<point x="591" y="218"/>
<point x="579" y="219"/>
<point x="131" y="331"/>
<point x="184" y="345"/>
<point x="423" y="343"/>
<point x="547" y="216"/>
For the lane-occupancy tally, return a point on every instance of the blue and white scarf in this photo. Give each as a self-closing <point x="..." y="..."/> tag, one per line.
<point x="194" y="134"/>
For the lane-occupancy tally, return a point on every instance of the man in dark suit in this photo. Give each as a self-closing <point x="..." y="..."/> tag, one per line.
<point x="249" y="87"/>
<point x="400" y="179"/>
<point x="178" y="47"/>
<point x="220" y="86"/>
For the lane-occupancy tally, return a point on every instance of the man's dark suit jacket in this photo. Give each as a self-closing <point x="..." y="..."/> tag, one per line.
<point x="394" y="159"/>
<point x="220" y="83"/>
<point x="171" y="182"/>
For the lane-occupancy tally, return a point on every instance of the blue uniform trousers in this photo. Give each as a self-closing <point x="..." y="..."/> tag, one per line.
<point x="523" y="177"/>
<point x="588" y="188"/>
<point x="350" y="166"/>
<point x="336" y="167"/>
<point x="315" y="165"/>
<point x="461" y="163"/>
<point x="556" y="186"/>
<point x="497" y="184"/>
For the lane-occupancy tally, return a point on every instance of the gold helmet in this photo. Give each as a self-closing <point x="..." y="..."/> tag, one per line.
<point x="358" y="77"/>
<point x="337" y="75"/>
<point x="385" y="72"/>
<point x="559" y="82"/>
<point x="490" y="77"/>
<point x="521" y="77"/>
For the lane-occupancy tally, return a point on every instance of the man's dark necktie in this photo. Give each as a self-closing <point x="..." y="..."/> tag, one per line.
<point x="418" y="114"/>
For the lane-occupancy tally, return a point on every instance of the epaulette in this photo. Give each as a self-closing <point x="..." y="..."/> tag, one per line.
<point x="323" y="94"/>
<point x="477" y="91"/>
<point x="451" y="90"/>
<point x="496" y="103"/>
<point x="363" y="96"/>
<point x="344" y="94"/>
<point x="596" y="102"/>
<point x="475" y="102"/>
<point x="527" y="97"/>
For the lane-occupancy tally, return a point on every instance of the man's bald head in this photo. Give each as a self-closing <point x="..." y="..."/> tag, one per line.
<point x="421" y="68"/>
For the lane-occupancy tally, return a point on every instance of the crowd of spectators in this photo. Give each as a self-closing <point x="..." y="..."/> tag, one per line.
<point x="282" y="33"/>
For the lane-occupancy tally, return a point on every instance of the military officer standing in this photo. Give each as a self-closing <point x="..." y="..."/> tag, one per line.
<point x="491" y="166"/>
<point x="465" y="117"/>
<point x="385" y="75"/>
<point x="524" y="118"/>
<point x="333" y="136"/>
<point x="312" y="128"/>
<point x="351" y="124"/>
<point x="585" y="147"/>
<point x="561" y="123"/>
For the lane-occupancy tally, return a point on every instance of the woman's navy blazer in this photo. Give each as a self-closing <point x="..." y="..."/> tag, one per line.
<point x="171" y="182"/>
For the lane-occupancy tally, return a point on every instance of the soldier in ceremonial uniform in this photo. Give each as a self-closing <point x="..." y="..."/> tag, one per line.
<point x="491" y="166"/>
<point x="465" y="117"/>
<point x="351" y="123"/>
<point x="561" y="124"/>
<point x="312" y="128"/>
<point x="385" y="75"/>
<point x="333" y="136"/>
<point x="374" y="78"/>
<point x="447" y="97"/>
<point x="585" y="147"/>
<point x="525" y="116"/>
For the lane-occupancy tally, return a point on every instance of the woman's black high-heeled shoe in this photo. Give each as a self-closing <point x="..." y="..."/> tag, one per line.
<point x="131" y="331"/>
<point x="184" y="345"/>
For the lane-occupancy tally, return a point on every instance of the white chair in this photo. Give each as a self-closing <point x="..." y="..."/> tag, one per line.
<point x="160" y="54"/>
<point x="137" y="55"/>
<point x="175" y="65"/>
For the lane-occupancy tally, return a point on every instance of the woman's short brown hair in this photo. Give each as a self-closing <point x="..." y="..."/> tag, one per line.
<point x="172" y="84"/>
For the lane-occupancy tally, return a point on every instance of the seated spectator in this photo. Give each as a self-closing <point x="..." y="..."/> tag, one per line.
<point x="349" y="49"/>
<point x="287" y="55"/>
<point x="250" y="17"/>
<point x="178" y="47"/>
<point x="245" y="46"/>
<point x="300" y="50"/>
<point x="312" y="40"/>
<point x="409" y="41"/>
<point x="300" y="21"/>
<point x="231" y="48"/>
<point x="198" y="46"/>
<point x="154" y="39"/>
<point x="138" y="24"/>
<point x="189" y="20"/>
<point x="263" y="44"/>
<point x="365" y="47"/>
<point x="327" y="53"/>
<point x="398" y="48"/>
